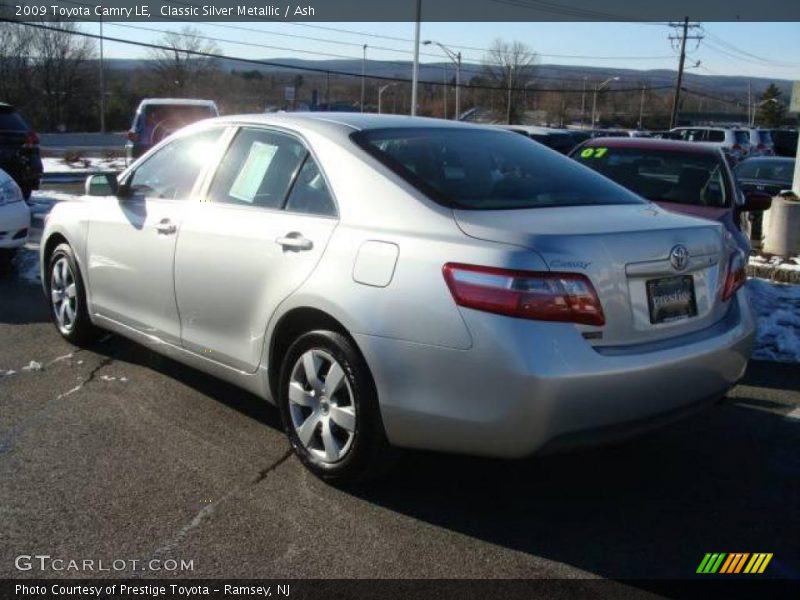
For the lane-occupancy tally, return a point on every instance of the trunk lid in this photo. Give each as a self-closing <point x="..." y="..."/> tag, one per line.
<point x="620" y="248"/>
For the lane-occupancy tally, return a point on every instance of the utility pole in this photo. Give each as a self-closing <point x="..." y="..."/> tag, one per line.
<point x="750" y="111"/>
<point x="363" y="77"/>
<point x="682" y="39"/>
<point x="102" y="84"/>
<point x="415" y="70"/>
<point x="641" y="110"/>
<point x="510" y="85"/>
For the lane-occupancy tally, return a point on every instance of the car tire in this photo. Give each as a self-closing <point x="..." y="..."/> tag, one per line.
<point x="66" y="296"/>
<point x="329" y="406"/>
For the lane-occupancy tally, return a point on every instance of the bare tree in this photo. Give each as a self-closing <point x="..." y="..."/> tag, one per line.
<point x="180" y="65"/>
<point x="59" y="64"/>
<point x="15" y="50"/>
<point x="511" y="66"/>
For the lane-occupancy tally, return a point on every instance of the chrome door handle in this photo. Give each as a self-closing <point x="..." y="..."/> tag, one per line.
<point x="166" y="227"/>
<point x="295" y="241"/>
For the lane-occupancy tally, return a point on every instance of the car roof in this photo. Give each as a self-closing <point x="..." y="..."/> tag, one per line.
<point x="654" y="144"/>
<point x="532" y="129"/>
<point x="325" y="121"/>
<point x="177" y="101"/>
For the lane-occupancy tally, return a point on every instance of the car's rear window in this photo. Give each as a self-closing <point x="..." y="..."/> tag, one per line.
<point x="661" y="175"/>
<point x="764" y="136"/>
<point x="11" y="120"/>
<point x="741" y="136"/>
<point x="770" y="170"/>
<point x="173" y="116"/>
<point x="486" y="170"/>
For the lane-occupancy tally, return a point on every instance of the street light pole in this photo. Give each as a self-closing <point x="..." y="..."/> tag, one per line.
<point x="456" y="58"/>
<point x="382" y="89"/>
<point x="583" y="102"/>
<point x="597" y="88"/>
<point x="444" y="88"/>
<point x="363" y="77"/>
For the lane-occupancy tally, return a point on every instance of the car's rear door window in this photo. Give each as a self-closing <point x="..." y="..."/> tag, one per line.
<point x="716" y="135"/>
<point x="257" y="169"/>
<point x="660" y="175"/>
<point x="484" y="169"/>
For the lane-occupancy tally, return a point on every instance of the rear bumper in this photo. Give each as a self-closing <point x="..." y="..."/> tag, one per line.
<point x="525" y="386"/>
<point x="15" y="222"/>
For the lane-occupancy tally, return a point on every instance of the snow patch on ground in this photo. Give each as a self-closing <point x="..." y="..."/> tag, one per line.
<point x="26" y="262"/>
<point x="777" y="308"/>
<point x="89" y="164"/>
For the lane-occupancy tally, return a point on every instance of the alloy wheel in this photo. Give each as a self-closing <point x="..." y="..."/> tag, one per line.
<point x="63" y="295"/>
<point x="321" y="406"/>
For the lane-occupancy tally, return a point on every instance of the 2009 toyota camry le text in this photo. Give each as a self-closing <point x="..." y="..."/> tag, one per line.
<point x="395" y="282"/>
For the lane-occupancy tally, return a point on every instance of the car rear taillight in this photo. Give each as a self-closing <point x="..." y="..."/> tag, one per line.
<point x="737" y="147"/>
<point x="32" y="139"/>
<point x="736" y="276"/>
<point x="133" y="136"/>
<point x="543" y="296"/>
<point x="761" y="147"/>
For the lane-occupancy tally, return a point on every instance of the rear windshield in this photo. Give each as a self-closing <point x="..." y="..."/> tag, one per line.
<point x="770" y="170"/>
<point x="175" y="116"/>
<point x="486" y="170"/>
<point x="11" y="120"/>
<point x="662" y="176"/>
<point x="764" y="136"/>
<point x="741" y="136"/>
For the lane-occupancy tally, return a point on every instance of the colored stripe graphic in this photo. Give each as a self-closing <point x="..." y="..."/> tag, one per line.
<point x="711" y="562"/>
<point x="723" y="563"/>
<point x="758" y="563"/>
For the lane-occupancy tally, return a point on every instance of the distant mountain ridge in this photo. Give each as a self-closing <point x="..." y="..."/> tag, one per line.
<point x="725" y="85"/>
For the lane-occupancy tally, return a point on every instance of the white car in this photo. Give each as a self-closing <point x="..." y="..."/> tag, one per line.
<point x="15" y="217"/>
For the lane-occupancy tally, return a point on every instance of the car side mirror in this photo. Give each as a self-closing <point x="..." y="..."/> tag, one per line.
<point x="102" y="184"/>
<point x="755" y="201"/>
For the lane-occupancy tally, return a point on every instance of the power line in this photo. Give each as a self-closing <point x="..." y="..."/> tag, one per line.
<point x="285" y="66"/>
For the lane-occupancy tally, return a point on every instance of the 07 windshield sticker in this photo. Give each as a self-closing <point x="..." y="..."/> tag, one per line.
<point x="594" y="152"/>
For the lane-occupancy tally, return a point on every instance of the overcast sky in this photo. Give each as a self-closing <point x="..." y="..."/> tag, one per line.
<point x="752" y="49"/>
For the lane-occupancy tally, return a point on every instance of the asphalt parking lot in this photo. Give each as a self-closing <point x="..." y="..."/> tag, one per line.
<point x="113" y="452"/>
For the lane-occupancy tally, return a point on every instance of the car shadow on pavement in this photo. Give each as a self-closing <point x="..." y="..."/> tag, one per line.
<point x="21" y="304"/>
<point x="250" y="405"/>
<point x="779" y="376"/>
<point x="725" y="480"/>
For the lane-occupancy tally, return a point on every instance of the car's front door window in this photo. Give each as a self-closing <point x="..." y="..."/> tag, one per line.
<point x="171" y="172"/>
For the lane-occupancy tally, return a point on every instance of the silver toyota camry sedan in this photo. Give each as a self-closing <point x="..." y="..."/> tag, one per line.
<point x="395" y="282"/>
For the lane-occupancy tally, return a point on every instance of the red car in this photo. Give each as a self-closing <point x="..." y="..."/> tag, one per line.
<point x="686" y="177"/>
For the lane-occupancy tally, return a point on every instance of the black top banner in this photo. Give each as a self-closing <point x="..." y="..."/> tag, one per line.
<point x="400" y="10"/>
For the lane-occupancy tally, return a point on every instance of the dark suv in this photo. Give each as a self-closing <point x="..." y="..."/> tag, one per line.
<point x="19" y="150"/>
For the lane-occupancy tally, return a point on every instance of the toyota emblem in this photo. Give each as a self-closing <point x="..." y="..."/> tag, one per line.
<point x="679" y="257"/>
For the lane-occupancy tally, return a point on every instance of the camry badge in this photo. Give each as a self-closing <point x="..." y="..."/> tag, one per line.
<point x="679" y="257"/>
